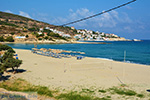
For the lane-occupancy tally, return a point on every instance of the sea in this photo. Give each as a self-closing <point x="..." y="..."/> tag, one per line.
<point x="129" y="51"/>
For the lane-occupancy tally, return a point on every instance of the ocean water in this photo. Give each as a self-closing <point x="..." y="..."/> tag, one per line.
<point x="136" y="52"/>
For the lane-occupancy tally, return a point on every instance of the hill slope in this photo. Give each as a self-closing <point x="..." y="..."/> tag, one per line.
<point x="19" y="25"/>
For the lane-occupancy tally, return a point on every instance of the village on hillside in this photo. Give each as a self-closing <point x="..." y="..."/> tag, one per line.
<point x="18" y="29"/>
<point x="45" y="35"/>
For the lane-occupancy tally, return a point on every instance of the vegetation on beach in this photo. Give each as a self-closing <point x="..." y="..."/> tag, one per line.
<point x="21" y="85"/>
<point x="7" y="60"/>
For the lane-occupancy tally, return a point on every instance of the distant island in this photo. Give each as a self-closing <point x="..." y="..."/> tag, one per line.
<point x="19" y="29"/>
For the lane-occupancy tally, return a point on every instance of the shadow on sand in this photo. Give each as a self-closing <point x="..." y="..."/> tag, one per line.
<point x="17" y="71"/>
<point x="4" y="78"/>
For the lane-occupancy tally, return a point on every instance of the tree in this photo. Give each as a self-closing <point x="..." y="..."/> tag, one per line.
<point x="11" y="51"/>
<point x="47" y="30"/>
<point x="27" y="36"/>
<point x="1" y="39"/>
<point x="6" y="55"/>
<point x="37" y="35"/>
<point x="39" y="38"/>
<point x="94" y="37"/>
<point x="12" y="33"/>
<point x="33" y="29"/>
<point x="9" y="39"/>
<point x="46" y="37"/>
<point x="12" y="63"/>
<point x="7" y="60"/>
<point x="4" y="47"/>
<point x="41" y="34"/>
<point x="1" y="70"/>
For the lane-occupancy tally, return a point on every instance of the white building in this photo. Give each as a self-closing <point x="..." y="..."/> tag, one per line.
<point x="20" y="37"/>
<point x="41" y="29"/>
<point x="39" y="33"/>
<point x="66" y="35"/>
<point x="47" y="28"/>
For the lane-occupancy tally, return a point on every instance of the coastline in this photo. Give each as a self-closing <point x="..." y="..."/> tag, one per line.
<point x="64" y="42"/>
<point x="70" y="73"/>
<point x="75" y="42"/>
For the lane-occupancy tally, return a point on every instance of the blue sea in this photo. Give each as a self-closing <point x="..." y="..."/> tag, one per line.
<point x="136" y="51"/>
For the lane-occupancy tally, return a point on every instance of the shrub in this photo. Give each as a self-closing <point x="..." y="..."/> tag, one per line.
<point x="74" y="96"/>
<point x="46" y="37"/>
<point x="9" y="39"/>
<point x="33" y="29"/>
<point x="2" y="39"/>
<point x="39" y="38"/>
<point x="27" y="36"/>
<point x="123" y="91"/>
<point x="102" y="91"/>
<point x="12" y="33"/>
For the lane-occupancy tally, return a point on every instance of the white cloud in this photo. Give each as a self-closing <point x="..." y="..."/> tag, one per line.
<point x="24" y="14"/>
<point x="8" y="11"/>
<point x="107" y="20"/>
<point x="70" y="10"/>
<point x="128" y="7"/>
<point x="113" y="21"/>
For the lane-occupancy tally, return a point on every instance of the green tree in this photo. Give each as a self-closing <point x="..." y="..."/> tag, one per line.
<point x="4" y="47"/>
<point x="33" y="29"/>
<point x="94" y="37"/>
<point x="2" y="39"/>
<point x="46" y="30"/>
<point x="12" y="33"/>
<point x="6" y="55"/>
<point x="1" y="70"/>
<point x="27" y="36"/>
<point x="12" y="63"/>
<point x="9" y="39"/>
<point x="37" y="35"/>
<point x="39" y="38"/>
<point x="11" y="50"/>
<point x="41" y="34"/>
<point x="46" y="37"/>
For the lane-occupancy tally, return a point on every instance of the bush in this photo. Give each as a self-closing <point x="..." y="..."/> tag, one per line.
<point x="46" y="37"/>
<point x="9" y="39"/>
<point x="33" y="29"/>
<point x="46" y="30"/>
<point x="12" y="33"/>
<point x="39" y="38"/>
<point x="2" y="39"/>
<point x="27" y="36"/>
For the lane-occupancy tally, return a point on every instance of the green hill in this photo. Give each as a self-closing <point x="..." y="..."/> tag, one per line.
<point x="19" y="25"/>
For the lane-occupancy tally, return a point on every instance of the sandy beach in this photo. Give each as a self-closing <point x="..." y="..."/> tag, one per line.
<point x="70" y="73"/>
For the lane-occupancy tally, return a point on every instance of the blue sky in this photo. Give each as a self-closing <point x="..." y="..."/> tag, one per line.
<point x="132" y="21"/>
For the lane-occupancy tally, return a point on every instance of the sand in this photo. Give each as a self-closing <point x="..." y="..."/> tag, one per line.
<point x="70" y="73"/>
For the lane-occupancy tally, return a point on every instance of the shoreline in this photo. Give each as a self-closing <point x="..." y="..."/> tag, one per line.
<point x="81" y="43"/>
<point x="106" y="59"/>
<point x="70" y="73"/>
<point x="77" y="42"/>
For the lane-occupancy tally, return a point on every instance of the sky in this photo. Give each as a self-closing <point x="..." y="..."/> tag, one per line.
<point x="131" y="21"/>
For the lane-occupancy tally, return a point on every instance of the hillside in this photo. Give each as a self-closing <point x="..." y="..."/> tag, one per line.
<point x="15" y="25"/>
<point x="23" y="29"/>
